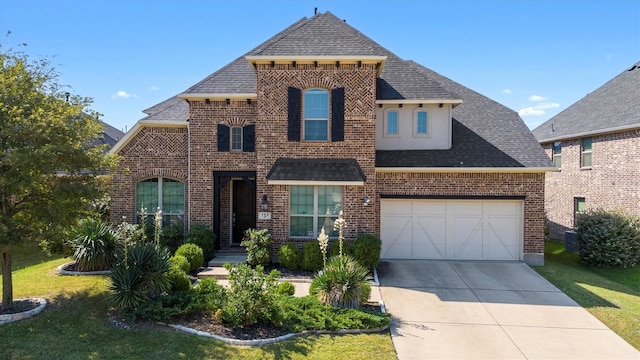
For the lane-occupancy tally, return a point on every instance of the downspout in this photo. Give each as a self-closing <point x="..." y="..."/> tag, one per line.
<point x="189" y="175"/>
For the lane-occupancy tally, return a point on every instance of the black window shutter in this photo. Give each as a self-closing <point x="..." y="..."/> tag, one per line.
<point x="295" y="98"/>
<point x="249" y="138"/>
<point x="223" y="137"/>
<point x="337" y="114"/>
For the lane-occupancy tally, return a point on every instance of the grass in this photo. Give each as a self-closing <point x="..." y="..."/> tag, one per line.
<point x="76" y="325"/>
<point x="611" y="295"/>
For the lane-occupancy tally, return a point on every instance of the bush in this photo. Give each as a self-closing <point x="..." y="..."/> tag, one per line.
<point x="131" y="233"/>
<point x="312" y="256"/>
<point x="172" y="236"/>
<point x="286" y="288"/>
<point x="179" y="279"/>
<point x="194" y="255"/>
<point x="340" y="283"/>
<point x="139" y="275"/>
<point x="334" y="248"/>
<point x="163" y="308"/>
<point x="251" y="296"/>
<point x="365" y="293"/>
<point x="289" y="255"/>
<point x="95" y="245"/>
<point x="609" y="238"/>
<point x="366" y="250"/>
<point x="209" y="295"/>
<point x="202" y="236"/>
<point x="180" y="262"/>
<point x="258" y="243"/>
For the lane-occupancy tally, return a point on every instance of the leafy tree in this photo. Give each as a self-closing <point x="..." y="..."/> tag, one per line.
<point x="49" y="172"/>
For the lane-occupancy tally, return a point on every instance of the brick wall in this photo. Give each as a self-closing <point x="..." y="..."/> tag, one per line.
<point x="613" y="180"/>
<point x="153" y="152"/>
<point x="530" y="186"/>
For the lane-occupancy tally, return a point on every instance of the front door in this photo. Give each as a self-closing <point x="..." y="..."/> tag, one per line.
<point x="243" y="209"/>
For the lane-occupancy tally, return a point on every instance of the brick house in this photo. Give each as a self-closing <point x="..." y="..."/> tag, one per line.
<point x="594" y="144"/>
<point x="320" y="118"/>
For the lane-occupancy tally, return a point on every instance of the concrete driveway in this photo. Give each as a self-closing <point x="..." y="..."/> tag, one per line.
<point x="488" y="310"/>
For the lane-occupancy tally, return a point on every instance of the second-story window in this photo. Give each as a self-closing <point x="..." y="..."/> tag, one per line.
<point x="421" y="125"/>
<point x="316" y="115"/>
<point x="391" y="123"/>
<point x="557" y="154"/>
<point x="585" y="155"/>
<point x="236" y="139"/>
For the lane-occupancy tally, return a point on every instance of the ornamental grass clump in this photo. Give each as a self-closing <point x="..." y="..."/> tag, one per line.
<point x="95" y="245"/>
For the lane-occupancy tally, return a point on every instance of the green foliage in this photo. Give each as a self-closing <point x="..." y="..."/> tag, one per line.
<point x="131" y="233"/>
<point x="334" y="248"/>
<point x="286" y="288"/>
<point x="95" y="245"/>
<point x="311" y="256"/>
<point x="340" y="283"/>
<point x="609" y="238"/>
<point x="202" y="236"/>
<point x="139" y="275"/>
<point x="366" y="250"/>
<point x="180" y="262"/>
<point x="209" y="295"/>
<point x="289" y="256"/>
<point x="194" y="255"/>
<point x="164" y="307"/>
<point x="258" y="243"/>
<point x="179" y="279"/>
<point x="172" y="236"/>
<point x="47" y="167"/>
<point x="251" y="296"/>
<point x="365" y="293"/>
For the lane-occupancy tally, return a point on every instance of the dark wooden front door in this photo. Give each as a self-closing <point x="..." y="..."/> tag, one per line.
<point x="243" y="209"/>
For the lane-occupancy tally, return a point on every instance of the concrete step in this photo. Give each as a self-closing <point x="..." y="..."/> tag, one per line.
<point x="217" y="272"/>
<point x="220" y="259"/>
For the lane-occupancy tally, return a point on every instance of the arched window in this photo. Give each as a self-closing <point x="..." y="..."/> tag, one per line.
<point x="392" y="123"/>
<point x="421" y="123"/>
<point x="166" y="194"/>
<point x="316" y="115"/>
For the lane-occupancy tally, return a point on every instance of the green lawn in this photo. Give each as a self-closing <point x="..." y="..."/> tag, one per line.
<point x="76" y="325"/>
<point x="611" y="295"/>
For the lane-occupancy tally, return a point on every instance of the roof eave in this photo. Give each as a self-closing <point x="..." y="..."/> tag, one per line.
<point x="453" y="102"/>
<point x="592" y="133"/>
<point x="320" y="59"/>
<point x="467" y="169"/>
<point x="141" y="124"/>
<point x="315" y="182"/>
<point x="218" y="97"/>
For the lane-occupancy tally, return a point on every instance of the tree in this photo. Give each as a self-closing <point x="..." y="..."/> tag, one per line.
<point x="49" y="174"/>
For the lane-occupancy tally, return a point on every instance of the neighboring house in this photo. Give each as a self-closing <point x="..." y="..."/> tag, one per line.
<point x="319" y="119"/>
<point x="595" y="145"/>
<point x="109" y="136"/>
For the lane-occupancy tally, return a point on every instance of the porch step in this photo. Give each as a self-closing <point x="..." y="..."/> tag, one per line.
<point x="215" y="267"/>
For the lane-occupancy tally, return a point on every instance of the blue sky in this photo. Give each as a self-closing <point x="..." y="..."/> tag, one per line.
<point x="536" y="57"/>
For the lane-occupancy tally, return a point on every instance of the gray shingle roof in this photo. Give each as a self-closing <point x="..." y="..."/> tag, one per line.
<point x="343" y="170"/>
<point x="109" y="136"/>
<point x="172" y="109"/>
<point x="613" y="105"/>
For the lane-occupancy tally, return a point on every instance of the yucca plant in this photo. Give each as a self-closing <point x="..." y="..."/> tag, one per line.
<point x="140" y="275"/>
<point x="95" y="244"/>
<point x="341" y="283"/>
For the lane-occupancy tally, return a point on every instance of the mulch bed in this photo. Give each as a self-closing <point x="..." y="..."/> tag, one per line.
<point x="19" y="306"/>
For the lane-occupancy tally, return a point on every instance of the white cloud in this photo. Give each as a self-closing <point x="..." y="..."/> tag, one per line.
<point x="531" y="111"/>
<point x="608" y="57"/>
<point x="154" y="88"/>
<point x="506" y="91"/>
<point x="544" y="106"/>
<point x="536" y="98"/>
<point x="123" y="95"/>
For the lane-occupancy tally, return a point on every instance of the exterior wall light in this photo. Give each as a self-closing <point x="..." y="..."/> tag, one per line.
<point x="264" y="204"/>
<point x="366" y="201"/>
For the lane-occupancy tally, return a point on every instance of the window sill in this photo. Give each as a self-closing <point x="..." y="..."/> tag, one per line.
<point x="585" y="168"/>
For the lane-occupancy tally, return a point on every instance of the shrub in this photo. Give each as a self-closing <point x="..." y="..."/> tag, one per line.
<point x="164" y="307"/>
<point x="139" y="275"/>
<point x="131" y="233"/>
<point x="180" y="262"/>
<point x="311" y="256"/>
<point x="366" y="250"/>
<point x="289" y="255"/>
<point x="251" y="296"/>
<point x="209" y="295"/>
<point x="609" y="238"/>
<point x="179" y="279"/>
<point x="95" y="244"/>
<point x="202" y="236"/>
<point x="258" y="244"/>
<point x="194" y="255"/>
<point x="365" y="293"/>
<point x="286" y="288"/>
<point x="172" y="236"/>
<point x="334" y="248"/>
<point x="340" y="283"/>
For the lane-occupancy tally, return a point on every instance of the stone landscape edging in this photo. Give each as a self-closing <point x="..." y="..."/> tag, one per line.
<point x="8" y="318"/>
<point x="62" y="271"/>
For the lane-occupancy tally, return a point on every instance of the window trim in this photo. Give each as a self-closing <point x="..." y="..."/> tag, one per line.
<point x="583" y="152"/>
<point x="327" y="119"/>
<point x="415" y="124"/>
<point x="231" y="148"/>
<point x="151" y="212"/>
<point x="386" y="123"/>
<point x="556" y="156"/>
<point x="315" y="214"/>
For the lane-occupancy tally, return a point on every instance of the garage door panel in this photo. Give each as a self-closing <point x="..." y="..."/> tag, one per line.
<point x="452" y="229"/>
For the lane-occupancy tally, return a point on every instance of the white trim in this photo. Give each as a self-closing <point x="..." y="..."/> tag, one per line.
<point x="592" y="133"/>
<point x="416" y="134"/>
<point x="420" y="101"/>
<point x="313" y="182"/>
<point x="466" y="169"/>
<point x="218" y="96"/>
<point x="141" y="124"/>
<point x="321" y="59"/>
<point x="385" y="123"/>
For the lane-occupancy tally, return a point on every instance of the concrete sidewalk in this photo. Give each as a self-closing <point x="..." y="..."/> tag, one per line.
<point x="488" y="310"/>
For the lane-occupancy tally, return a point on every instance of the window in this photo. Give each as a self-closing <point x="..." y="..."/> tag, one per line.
<point x="391" y="123"/>
<point x="316" y="115"/>
<point x="236" y="139"/>
<point x="163" y="193"/>
<point x="579" y="207"/>
<point x="557" y="154"/>
<point x="421" y="125"/>
<point x="312" y="208"/>
<point x="585" y="156"/>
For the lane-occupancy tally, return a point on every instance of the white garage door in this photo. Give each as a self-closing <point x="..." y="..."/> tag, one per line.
<point x="451" y="229"/>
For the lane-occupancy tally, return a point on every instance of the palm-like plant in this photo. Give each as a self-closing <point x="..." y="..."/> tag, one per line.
<point x="340" y="283"/>
<point x="95" y="245"/>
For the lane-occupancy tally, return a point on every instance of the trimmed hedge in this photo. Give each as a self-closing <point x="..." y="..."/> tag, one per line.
<point x="366" y="250"/>
<point x="290" y="256"/>
<point x="312" y="256"/>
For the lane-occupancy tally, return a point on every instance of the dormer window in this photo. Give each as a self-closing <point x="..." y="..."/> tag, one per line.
<point x="316" y="115"/>
<point x="421" y="124"/>
<point x="391" y="123"/>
